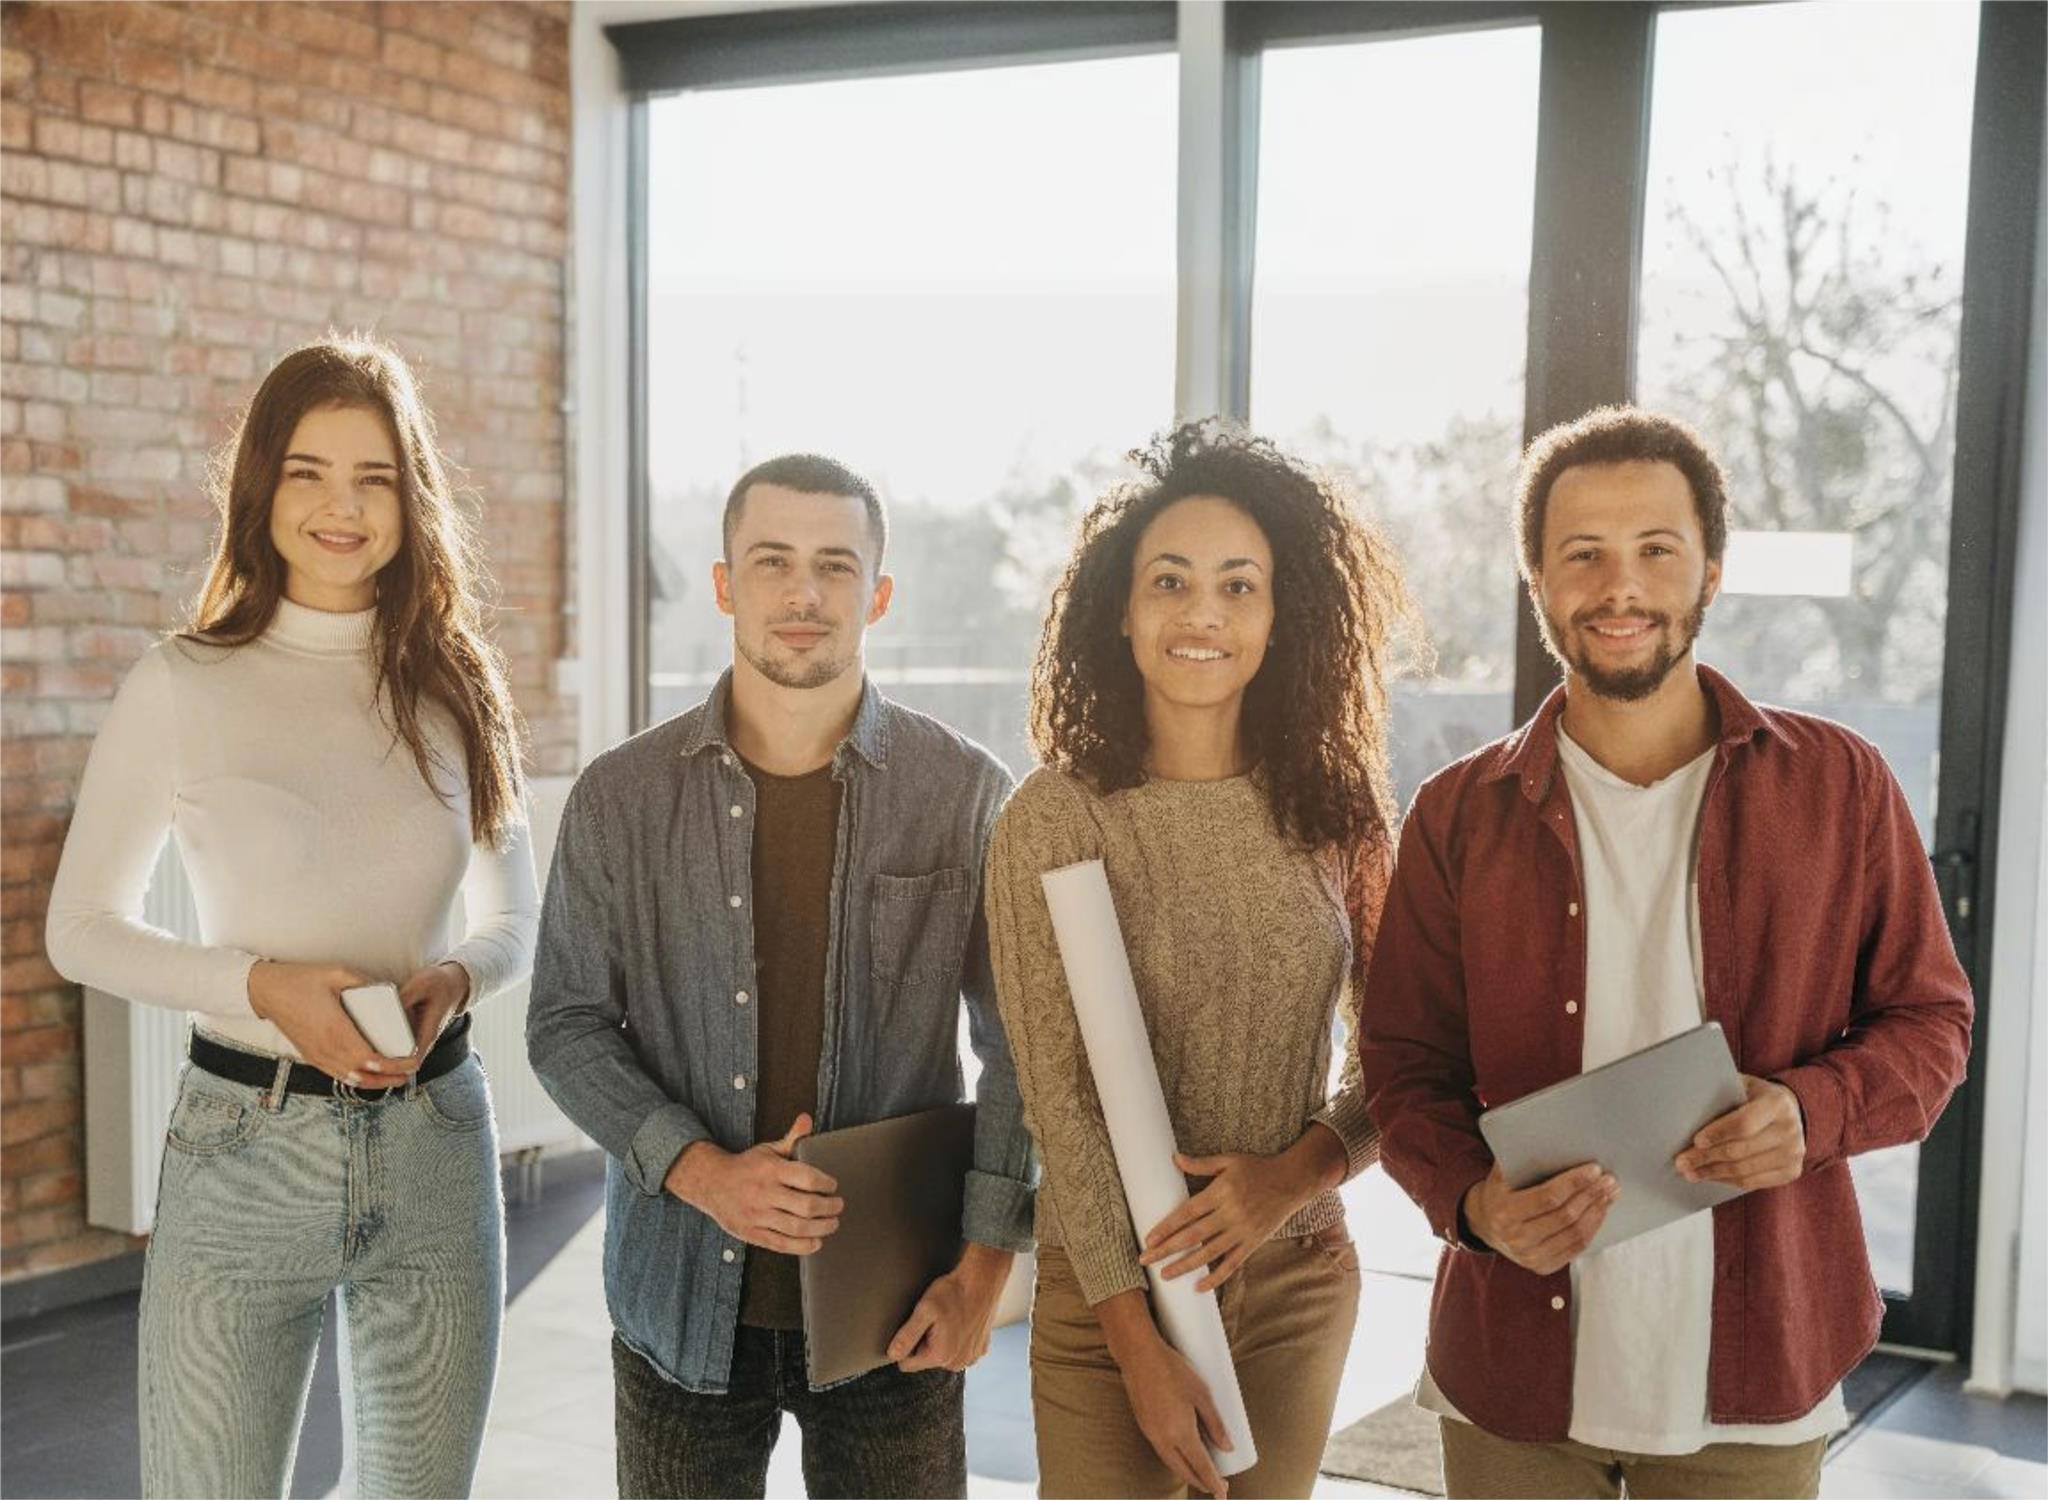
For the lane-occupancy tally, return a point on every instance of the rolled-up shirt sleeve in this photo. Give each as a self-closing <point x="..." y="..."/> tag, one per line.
<point x="1003" y="1186"/>
<point x="574" y="1035"/>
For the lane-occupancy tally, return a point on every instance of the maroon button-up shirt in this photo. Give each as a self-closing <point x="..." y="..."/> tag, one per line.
<point x="1826" y="960"/>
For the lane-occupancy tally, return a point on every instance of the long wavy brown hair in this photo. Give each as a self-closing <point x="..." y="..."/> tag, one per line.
<point x="1315" y="714"/>
<point x="428" y="638"/>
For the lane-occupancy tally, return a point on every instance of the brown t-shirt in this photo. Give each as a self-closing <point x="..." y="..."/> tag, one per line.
<point x="796" y="835"/>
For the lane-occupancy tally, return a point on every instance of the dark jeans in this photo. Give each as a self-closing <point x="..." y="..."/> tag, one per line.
<point x="885" y="1433"/>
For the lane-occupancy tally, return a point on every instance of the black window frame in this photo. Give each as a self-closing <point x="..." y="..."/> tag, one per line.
<point x="1592" y="157"/>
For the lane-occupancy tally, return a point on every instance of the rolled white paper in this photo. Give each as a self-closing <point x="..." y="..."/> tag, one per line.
<point x="1140" y="1133"/>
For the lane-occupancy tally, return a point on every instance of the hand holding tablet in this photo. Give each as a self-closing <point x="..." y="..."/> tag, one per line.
<point x="1632" y="1118"/>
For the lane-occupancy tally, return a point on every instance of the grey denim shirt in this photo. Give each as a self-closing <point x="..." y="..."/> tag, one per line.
<point x="642" y="1024"/>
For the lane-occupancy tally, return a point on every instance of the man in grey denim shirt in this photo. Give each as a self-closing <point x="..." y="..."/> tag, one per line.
<point x="646" y="1019"/>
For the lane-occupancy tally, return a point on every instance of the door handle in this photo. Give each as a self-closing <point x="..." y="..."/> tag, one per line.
<point x="1955" y="874"/>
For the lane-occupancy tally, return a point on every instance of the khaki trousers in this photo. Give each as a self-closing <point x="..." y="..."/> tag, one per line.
<point x="1288" y="1312"/>
<point x="1480" y="1466"/>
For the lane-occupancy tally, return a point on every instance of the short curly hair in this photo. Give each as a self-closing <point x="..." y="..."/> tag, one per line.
<point x="1315" y="714"/>
<point x="1618" y="435"/>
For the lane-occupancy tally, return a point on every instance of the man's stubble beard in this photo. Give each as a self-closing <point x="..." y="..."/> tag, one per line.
<point x="801" y="676"/>
<point x="1636" y="684"/>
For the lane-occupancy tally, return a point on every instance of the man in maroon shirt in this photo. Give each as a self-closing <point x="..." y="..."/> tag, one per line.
<point x="1523" y="936"/>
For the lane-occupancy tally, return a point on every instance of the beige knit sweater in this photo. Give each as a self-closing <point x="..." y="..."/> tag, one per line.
<point x="1242" y="945"/>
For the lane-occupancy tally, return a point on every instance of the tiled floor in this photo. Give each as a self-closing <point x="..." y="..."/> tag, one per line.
<point x="69" y="1386"/>
<point x="1934" y="1439"/>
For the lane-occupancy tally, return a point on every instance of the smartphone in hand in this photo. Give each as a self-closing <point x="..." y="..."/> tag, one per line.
<point x="379" y="1017"/>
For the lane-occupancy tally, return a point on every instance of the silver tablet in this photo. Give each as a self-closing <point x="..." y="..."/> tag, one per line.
<point x="1632" y="1116"/>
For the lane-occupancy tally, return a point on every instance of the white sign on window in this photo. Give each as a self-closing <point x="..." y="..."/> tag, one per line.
<point x="1811" y="564"/>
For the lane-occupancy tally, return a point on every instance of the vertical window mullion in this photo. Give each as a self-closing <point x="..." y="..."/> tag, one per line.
<point x="638" y="504"/>
<point x="1592" y="156"/>
<point x="1991" y="425"/>
<point x="1218" y="149"/>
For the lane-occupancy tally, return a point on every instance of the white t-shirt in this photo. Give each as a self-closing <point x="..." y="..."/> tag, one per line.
<point x="305" y="829"/>
<point x="1643" y="1311"/>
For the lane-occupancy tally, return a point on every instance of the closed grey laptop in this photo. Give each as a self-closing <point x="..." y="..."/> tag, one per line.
<point x="903" y="1181"/>
<point x="1632" y="1116"/>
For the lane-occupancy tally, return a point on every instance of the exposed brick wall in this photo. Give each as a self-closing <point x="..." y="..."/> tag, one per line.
<point x="189" y="191"/>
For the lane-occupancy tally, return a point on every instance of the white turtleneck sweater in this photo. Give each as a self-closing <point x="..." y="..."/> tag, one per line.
<point x="303" y="822"/>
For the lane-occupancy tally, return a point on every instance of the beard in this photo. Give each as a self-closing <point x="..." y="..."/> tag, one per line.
<point x="1628" y="684"/>
<point x="810" y="672"/>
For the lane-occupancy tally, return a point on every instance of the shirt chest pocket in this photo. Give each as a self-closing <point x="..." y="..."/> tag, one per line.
<point x="918" y="926"/>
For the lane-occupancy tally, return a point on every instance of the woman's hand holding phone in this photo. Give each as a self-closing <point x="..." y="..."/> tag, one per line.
<point x="432" y="997"/>
<point x="304" y="1002"/>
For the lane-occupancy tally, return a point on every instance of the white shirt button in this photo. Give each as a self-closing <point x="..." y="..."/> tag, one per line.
<point x="737" y="810"/>
<point x="1557" y="1304"/>
<point x="1571" y="1007"/>
<point x="732" y="901"/>
<point x="1572" y="910"/>
<point x="727" y="1256"/>
<point x="727" y="757"/>
<point x="740" y="998"/>
<point x="739" y="1080"/>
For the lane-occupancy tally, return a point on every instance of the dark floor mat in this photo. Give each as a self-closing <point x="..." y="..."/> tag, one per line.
<point x="1397" y="1445"/>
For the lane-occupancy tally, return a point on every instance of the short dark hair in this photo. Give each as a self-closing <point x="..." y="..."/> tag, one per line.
<point x="809" y="474"/>
<point x="1618" y="435"/>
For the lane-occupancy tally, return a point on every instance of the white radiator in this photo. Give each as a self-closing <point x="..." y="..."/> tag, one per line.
<point x="133" y="1053"/>
<point x="132" y="1056"/>
<point x="527" y="1117"/>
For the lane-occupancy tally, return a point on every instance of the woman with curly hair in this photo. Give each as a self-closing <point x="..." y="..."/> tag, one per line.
<point x="1209" y="707"/>
<point x="334" y="748"/>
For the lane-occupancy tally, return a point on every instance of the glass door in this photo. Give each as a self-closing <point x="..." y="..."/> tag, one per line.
<point x="1801" y="305"/>
<point x="1388" y="325"/>
<point x="1389" y="320"/>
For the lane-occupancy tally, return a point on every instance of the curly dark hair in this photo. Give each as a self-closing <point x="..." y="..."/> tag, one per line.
<point x="1315" y="714"/>
<point x="1616" y="435"/>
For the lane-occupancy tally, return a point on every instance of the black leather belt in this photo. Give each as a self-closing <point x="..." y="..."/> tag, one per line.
<point x="260" y="1072"/>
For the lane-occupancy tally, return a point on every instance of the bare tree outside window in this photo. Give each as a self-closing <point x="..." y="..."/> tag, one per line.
<point x="1822" y="364"/>
<point x="1802" y="283"/>
<point x="1831" y="386"/>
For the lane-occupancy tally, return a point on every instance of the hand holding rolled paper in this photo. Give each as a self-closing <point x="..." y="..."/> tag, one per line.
<point x="1140" y="1132"/>
<point x="1246" y="1199"/>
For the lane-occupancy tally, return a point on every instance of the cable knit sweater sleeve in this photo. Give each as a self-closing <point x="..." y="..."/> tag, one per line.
<point x="1045" y="826"/>
<point x="1367" y="877"/>
<point x="94" y="932"/>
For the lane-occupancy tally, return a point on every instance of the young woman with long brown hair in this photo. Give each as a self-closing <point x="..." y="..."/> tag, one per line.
<point x="1209" y="708"/>
<point x="333" y="746"/>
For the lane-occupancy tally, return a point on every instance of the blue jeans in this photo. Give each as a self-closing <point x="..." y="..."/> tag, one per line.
<point x="262" y="1213"/>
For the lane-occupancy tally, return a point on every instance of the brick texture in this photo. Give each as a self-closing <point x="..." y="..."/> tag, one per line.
<point x="188" y="192"/>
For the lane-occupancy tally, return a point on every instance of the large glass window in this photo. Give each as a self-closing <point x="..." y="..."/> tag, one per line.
<point x="1390" y="310"/>
<point x="1802" y="294"/>
<point x="960" y="283"/>
<point x="957" y="273"/>
<point x="1389" y="320"/>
